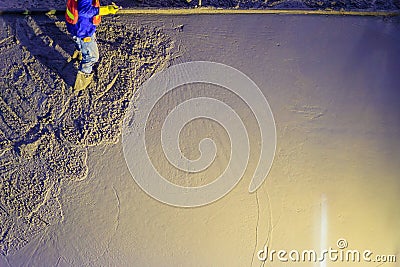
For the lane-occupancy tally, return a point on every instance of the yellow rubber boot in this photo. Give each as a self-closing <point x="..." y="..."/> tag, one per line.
<point x="82" y="81"/>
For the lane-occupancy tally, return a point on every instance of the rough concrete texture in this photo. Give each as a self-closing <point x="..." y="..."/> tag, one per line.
<point x="44" y="128"/>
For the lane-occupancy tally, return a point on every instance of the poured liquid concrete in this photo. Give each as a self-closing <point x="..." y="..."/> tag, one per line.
<point x="331" y="83"/>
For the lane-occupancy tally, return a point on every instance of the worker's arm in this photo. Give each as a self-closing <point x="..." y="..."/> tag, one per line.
<point x="86" y="9"/>
<point x="107" y="10"/>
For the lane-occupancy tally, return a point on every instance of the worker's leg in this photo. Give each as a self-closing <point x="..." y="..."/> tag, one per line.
<point x="90" y="53"/>
<point x="77" y="53"/>
<point x="77" y="41"/>
<point x="90" y="56"/>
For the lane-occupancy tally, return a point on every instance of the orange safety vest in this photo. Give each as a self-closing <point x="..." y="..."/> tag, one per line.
<point x="72" y="13"/>
<point x="96" y="19"/>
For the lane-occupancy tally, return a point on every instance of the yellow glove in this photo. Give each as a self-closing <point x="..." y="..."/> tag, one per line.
<point x="107" y="10"/>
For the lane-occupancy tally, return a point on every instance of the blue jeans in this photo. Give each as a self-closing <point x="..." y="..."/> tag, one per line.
<point x="90" y="53"/>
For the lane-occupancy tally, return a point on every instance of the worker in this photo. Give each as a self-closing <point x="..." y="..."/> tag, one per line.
<point x="83" y="16"/>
